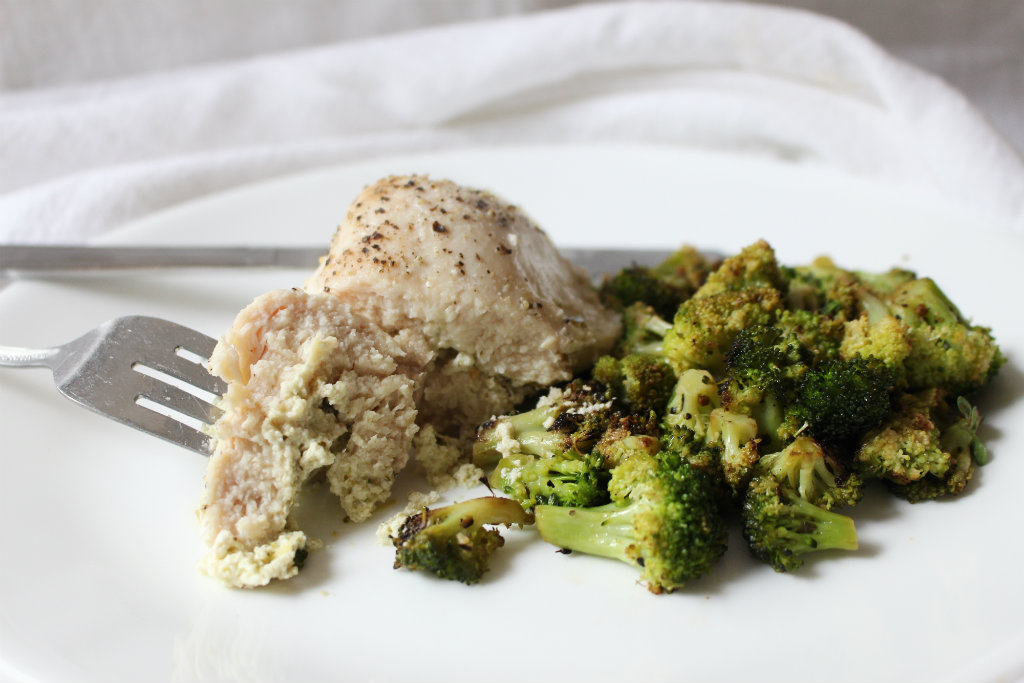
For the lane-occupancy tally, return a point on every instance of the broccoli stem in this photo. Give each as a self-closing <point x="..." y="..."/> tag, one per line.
<point x="541" y="442"/>
<point x="815" y="528"/>
<point x="606" y="530"/>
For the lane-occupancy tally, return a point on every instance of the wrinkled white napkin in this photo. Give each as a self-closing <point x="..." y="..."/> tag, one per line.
<point x="81" y="160"/>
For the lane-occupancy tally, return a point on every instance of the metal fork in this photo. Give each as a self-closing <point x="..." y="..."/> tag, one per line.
<point x="144" y="372"/>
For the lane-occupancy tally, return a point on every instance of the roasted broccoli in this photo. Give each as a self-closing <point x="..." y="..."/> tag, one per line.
<point x="628" y="435"/>
<point x="781" y="527"/>
<point x="747" y="387"/>
<point x="694" y="396"/>
<point x="569" y="419"/>
<point x="946" y="351"/>
<point x="643" y="331"/>
<point x="763" y="368"/>
<point x="718" y="441"/>
<point x="571" y="479"/>
<point x="726" y="453"/>
<point x="705" y="326"/>
<point x="926" y="448"/>
<point x="818" y="477"/>
<point x="686" y="268"/>
<point x="453" y="542"/>
<point x="641" y="382"/>
<point x="909" y="323"/>
<point x="641" y="284"/>
<point x="754" y="267"/>
<point x="840" y="400"/>
<point x="663" y="520"/>
<point x="662" y="287"/>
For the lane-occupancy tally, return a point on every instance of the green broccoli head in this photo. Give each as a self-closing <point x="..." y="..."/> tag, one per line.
<point x="662" y="287"/>
<point x="926" y="448"/>
<point x="666" y="522"/>
<point x="643" y="331"/>
<point x="883" y="337"/>
<point x="763" y="359"/>
<point x="568" y="479"/>
<point x="640" y="284"/>
<point x="705" y="327"/>
<point x="641" y="382"/>
<point x="823" y="288"/>
<point x="568" y="419"/>
<point x="818" y="335"/>
<point x="946" y="351"/>
<point x="453" y="542"/>
<point x="803" y="466"/>
<point x="686" y="268"/>
<point x="912" y="326"/>
<point x="782" y="528"/>
<point x="628" y="435"/>
<point x="840" y="400"/>
<point x="754" y="267"/>
<point x="726" y="451"/>
<point x="763" y="369"/>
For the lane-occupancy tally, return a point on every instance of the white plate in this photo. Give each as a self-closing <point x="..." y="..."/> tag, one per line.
<point x="98" y="578"/>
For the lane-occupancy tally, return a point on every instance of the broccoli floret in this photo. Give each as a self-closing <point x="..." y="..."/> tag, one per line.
<point x="754" y="267"/>
<point x="643" y="331"/>
<point x="763" y="360"/>
<point x="926" y="448"/>
<point x="945" y="349"/>
<point x="641" y="382"/>
<point x="840" y="400"/>
<point x="569" y="419"/>
<point x="818" y="334"/>
<point x="694" y="396"/>
<point x="453" y="542"/>
<point x="569" y="479"/>
<point x="686" y="268"/>
<point x="726" y="453"/>
<point x="705" y="327"/>
<point x="803" y="466"/>
<point x="669" y="525"/>
<point x="640" y="284"/>
<point x="763" y="369"/>
<point x="733" y="437"/>
<point x="781" y="527"/>
<point x="662" y="287"/>
<point x="881" y="336"/>
<point x="821" y="288"/>
<point x="885" y="282"/>
<point x="912" y="326"/>
<point x="628" y="435"/>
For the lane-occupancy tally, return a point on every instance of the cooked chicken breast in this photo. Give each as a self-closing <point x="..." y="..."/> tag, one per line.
<point x="311" y="385"/>
<point x="474" y="273"/>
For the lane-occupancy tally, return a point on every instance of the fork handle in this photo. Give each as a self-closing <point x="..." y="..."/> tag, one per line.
<point x="16" y="357"/>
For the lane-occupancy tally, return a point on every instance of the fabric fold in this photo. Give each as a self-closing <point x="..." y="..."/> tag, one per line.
<point x="770" y="82"/>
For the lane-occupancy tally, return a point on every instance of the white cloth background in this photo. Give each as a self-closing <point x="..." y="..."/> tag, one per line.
<point x="111" y="110"/>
